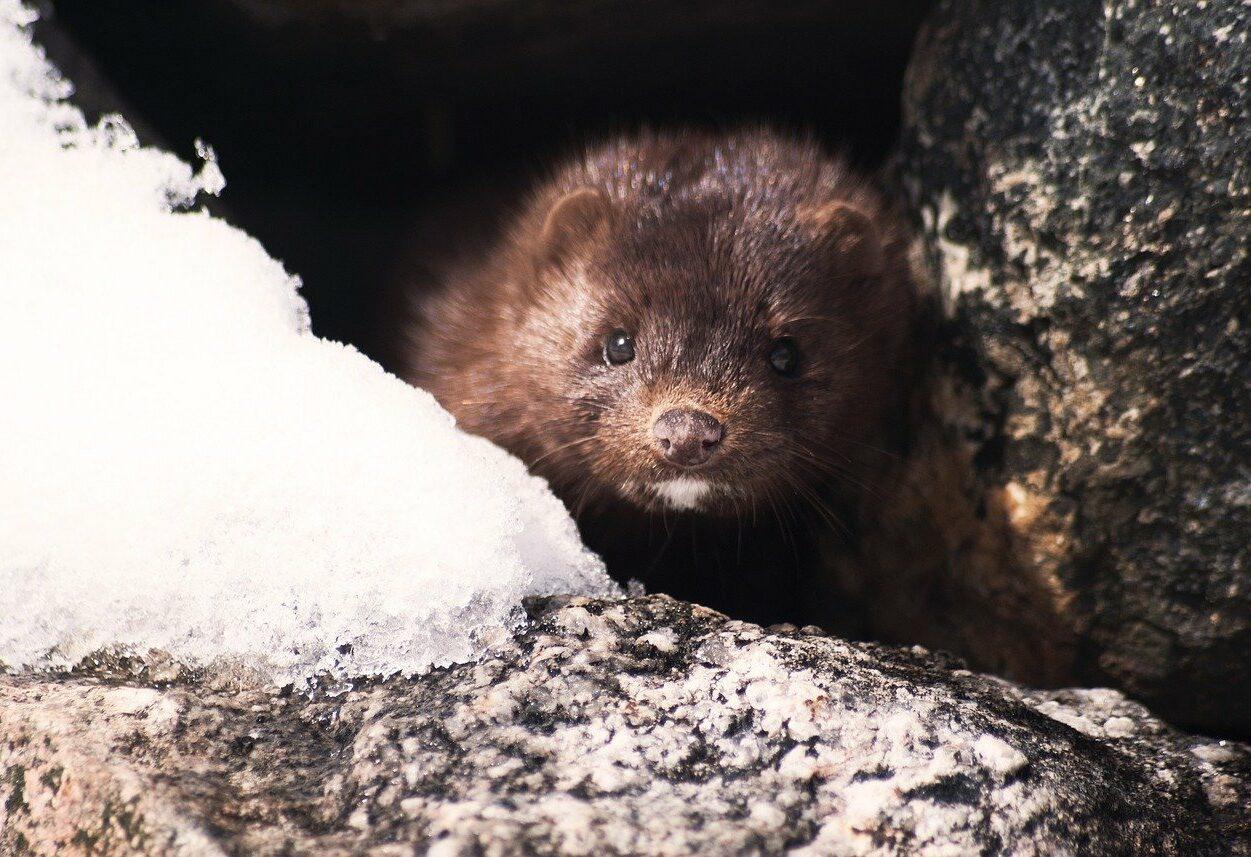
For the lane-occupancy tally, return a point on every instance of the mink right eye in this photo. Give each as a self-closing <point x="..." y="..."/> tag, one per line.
<point x="618" y="348"/>
<point x="784" y="357"/>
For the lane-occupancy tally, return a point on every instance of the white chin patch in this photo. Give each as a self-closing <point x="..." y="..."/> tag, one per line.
<point x="683" y="494"/>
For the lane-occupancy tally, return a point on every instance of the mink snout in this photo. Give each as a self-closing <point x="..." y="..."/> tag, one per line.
<point x="687" y="438"/>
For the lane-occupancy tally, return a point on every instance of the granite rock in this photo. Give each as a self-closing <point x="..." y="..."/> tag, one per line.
<point x="1079" y="174"/>
<point x="639" y="726"/>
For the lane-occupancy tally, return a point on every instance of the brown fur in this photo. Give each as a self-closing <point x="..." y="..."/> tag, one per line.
<point x="707" y="249"/>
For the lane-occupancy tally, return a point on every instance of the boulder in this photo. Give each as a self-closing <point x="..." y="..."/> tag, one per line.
<point x="1080" y="513"/>
<point x="637" y="726"/>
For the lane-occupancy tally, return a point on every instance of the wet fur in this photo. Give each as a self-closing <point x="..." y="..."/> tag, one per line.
<point x="712" y="248"/>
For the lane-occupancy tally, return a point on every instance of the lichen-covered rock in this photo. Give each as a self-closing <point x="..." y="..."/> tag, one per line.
<point x="1080" y="173"/>
<point x="644" y="726"/>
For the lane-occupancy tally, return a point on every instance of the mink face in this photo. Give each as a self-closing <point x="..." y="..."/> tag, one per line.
<point x="696" y="323"/>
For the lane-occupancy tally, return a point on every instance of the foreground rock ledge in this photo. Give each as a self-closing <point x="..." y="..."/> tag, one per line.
<point x="613" y="727"/>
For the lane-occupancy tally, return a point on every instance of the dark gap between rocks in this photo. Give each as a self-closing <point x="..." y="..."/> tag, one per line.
<point x="336" y="133"/>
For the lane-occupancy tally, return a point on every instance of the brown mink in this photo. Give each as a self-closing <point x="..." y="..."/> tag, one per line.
<point x="698" y="340"/>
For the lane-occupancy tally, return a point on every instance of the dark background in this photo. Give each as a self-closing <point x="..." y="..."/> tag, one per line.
<point x="338" y="124"/>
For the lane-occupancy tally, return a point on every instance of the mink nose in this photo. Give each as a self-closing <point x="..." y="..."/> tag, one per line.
<point x="687" y="438"/>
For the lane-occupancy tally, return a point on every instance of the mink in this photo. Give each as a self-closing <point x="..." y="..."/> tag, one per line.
<point x="700" y="341"/>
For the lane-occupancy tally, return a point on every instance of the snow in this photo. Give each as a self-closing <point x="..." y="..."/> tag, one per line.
<point x="186" y="468"/>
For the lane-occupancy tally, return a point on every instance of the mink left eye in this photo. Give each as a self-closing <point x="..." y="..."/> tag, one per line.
<point x="784" y="356"/>
<point x="618" y="348"/>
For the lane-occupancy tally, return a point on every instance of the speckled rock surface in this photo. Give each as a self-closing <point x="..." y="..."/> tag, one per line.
<point x="645" y="726"/>
<point x="1080" y="173"/>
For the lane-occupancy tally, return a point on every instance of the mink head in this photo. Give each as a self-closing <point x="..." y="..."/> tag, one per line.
<point x="698" y="324"/>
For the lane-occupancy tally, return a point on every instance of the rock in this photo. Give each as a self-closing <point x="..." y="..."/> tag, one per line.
<point x="1080" y="174"/>
<point x="639" y="726"/>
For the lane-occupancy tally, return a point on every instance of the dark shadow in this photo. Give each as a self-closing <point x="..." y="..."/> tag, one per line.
<point x="335" y="135"/>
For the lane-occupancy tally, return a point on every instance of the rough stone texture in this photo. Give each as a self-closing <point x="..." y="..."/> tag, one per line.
<point x="637" y="726"/>
<point x="1080" y="173"/>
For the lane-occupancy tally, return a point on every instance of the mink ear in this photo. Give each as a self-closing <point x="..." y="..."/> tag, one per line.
<point x="850" y="235"/>
<point x="576" y="219"/>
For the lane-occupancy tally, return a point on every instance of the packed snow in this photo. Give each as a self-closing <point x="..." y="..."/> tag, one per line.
<point x="185" y="467"/>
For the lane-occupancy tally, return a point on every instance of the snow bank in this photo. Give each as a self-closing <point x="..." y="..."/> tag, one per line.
<point x="184" y="466"/>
